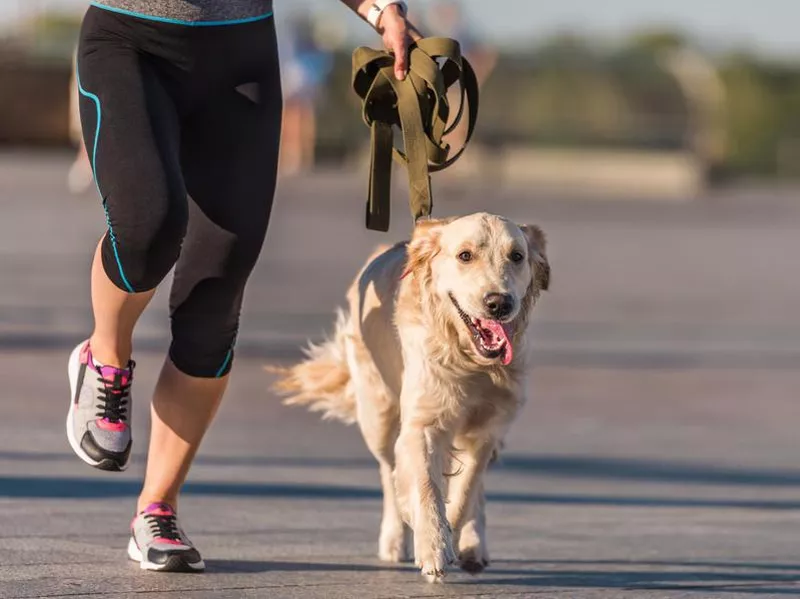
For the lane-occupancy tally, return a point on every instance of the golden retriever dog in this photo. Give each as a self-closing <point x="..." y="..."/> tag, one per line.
<point x="430" y="361"/>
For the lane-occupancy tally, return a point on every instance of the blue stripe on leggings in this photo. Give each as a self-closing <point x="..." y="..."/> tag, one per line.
<point x="111" y="235"/>
<point x="227" y="361"/>
<point x="140" y="15"/>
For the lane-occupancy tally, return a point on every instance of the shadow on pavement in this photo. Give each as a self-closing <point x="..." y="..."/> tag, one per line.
<point x="723" y="578"/>
<point x="223" y="566"/>
<point x="90" y="488"/>
<point x="599" y="468"/>
<point x="657" y="563"/>
<point x="283" y="351"/>
<point x="552" y="466"/>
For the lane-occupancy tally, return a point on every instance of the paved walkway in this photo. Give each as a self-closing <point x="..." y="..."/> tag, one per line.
<point x="657" y="458"/>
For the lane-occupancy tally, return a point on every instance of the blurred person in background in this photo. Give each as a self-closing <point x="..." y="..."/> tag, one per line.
<point x="447" y="19"/>
<point x="177" y="97"/>
<point x="79" y="177"/>
<point x="306" y="65"/>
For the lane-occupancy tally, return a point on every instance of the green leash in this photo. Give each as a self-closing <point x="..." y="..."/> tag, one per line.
<point x="418" y="105"/>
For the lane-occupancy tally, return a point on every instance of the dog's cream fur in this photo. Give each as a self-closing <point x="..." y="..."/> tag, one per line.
<point x="402" y="364"/>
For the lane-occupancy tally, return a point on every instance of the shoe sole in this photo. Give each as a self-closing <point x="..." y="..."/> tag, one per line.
<point x="174" y="564"/>
<point x="73" y="369"/>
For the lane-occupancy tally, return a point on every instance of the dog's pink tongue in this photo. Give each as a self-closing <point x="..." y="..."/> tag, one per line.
<point x="499" y="332"/>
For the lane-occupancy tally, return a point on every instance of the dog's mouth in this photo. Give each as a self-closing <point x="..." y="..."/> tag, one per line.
<point x="491" y="337"/>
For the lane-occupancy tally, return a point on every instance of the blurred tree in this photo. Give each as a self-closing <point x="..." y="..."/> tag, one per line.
<point x="754" y="115"/>
<point x="654" y="41"/>
<point x="653" y="90"/>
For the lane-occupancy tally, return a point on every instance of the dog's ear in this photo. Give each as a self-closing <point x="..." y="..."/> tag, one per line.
<point x="424" y="244"/>
<point x="537" y="250"/>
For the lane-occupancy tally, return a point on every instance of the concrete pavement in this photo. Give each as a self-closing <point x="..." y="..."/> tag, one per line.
<point x="657" y="458"/>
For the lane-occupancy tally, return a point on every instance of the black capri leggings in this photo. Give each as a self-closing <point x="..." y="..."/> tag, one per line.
<point x="182" y="125"/>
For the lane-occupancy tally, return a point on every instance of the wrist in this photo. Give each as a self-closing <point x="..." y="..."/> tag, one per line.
<point x="379" y="8"/>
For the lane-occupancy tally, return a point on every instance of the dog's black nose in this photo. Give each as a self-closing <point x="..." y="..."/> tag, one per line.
<point x="498" y="305"/>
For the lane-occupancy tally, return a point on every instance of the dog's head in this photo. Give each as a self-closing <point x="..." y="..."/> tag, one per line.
<point x="485" y="274"/>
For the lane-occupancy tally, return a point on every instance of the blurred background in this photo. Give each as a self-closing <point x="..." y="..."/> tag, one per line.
<point x="657" y="144"/>
<point x="663" y="99"/>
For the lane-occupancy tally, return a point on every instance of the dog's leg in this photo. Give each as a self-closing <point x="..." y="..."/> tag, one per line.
<point x="395" y="542"/>
<point x="379" y="428"/>
<point x="379" y="420"/>
<point x="418" y="479"/>
<point x="466" y="503"/>
<point x="470" y="539"/>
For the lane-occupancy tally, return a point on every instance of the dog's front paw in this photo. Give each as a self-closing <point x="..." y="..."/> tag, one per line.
<point x="473" y="560"/>
<point x="394" y="544"/>
<point x="473" y="554"/>
<point x="433" y="554"/>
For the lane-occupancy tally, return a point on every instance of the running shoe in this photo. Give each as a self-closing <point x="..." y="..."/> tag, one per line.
<point x="98" y="425"/>
<point x="158" y="542"/>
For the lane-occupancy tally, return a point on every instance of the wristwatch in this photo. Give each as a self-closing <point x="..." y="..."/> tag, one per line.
<point x="378" y="6"/>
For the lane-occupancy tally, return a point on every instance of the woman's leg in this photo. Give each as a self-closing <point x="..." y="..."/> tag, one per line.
<point x="230" y="155"/>
<point x="176" y="429"/>
<point x="131" y="130"/>
<point x="115" y="315"/>
<point x="131" y="127"/>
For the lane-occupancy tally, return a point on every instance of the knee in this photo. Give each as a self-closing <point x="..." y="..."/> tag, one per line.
<point x="139" y="252"/>
<point x="200" y="361"/>
<point x="202" y="356"/>
<point x="203" y="337"/>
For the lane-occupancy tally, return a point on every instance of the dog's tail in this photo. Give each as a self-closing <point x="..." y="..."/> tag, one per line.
<point x="322" y="381"/>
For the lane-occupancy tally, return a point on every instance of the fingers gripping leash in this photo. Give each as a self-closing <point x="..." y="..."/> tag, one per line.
<point x="418" y="105"/>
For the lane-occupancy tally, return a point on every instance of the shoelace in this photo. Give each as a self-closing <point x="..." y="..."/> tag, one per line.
<point x="113" y="397"/>
<point x="163" y="526"/>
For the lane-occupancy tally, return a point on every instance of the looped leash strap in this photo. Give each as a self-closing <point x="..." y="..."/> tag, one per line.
<point x="418" y="105"/>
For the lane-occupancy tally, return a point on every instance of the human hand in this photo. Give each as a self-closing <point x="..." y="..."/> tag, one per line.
<point x="398" y="34"/>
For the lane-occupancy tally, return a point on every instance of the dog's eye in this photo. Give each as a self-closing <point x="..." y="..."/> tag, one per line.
<point x="465" y="256"/>
<point x="517" y="256"/>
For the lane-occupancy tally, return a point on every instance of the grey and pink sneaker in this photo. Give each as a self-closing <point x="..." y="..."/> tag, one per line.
<point x="158" y="542"/>
<point x="98" y="427"/>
